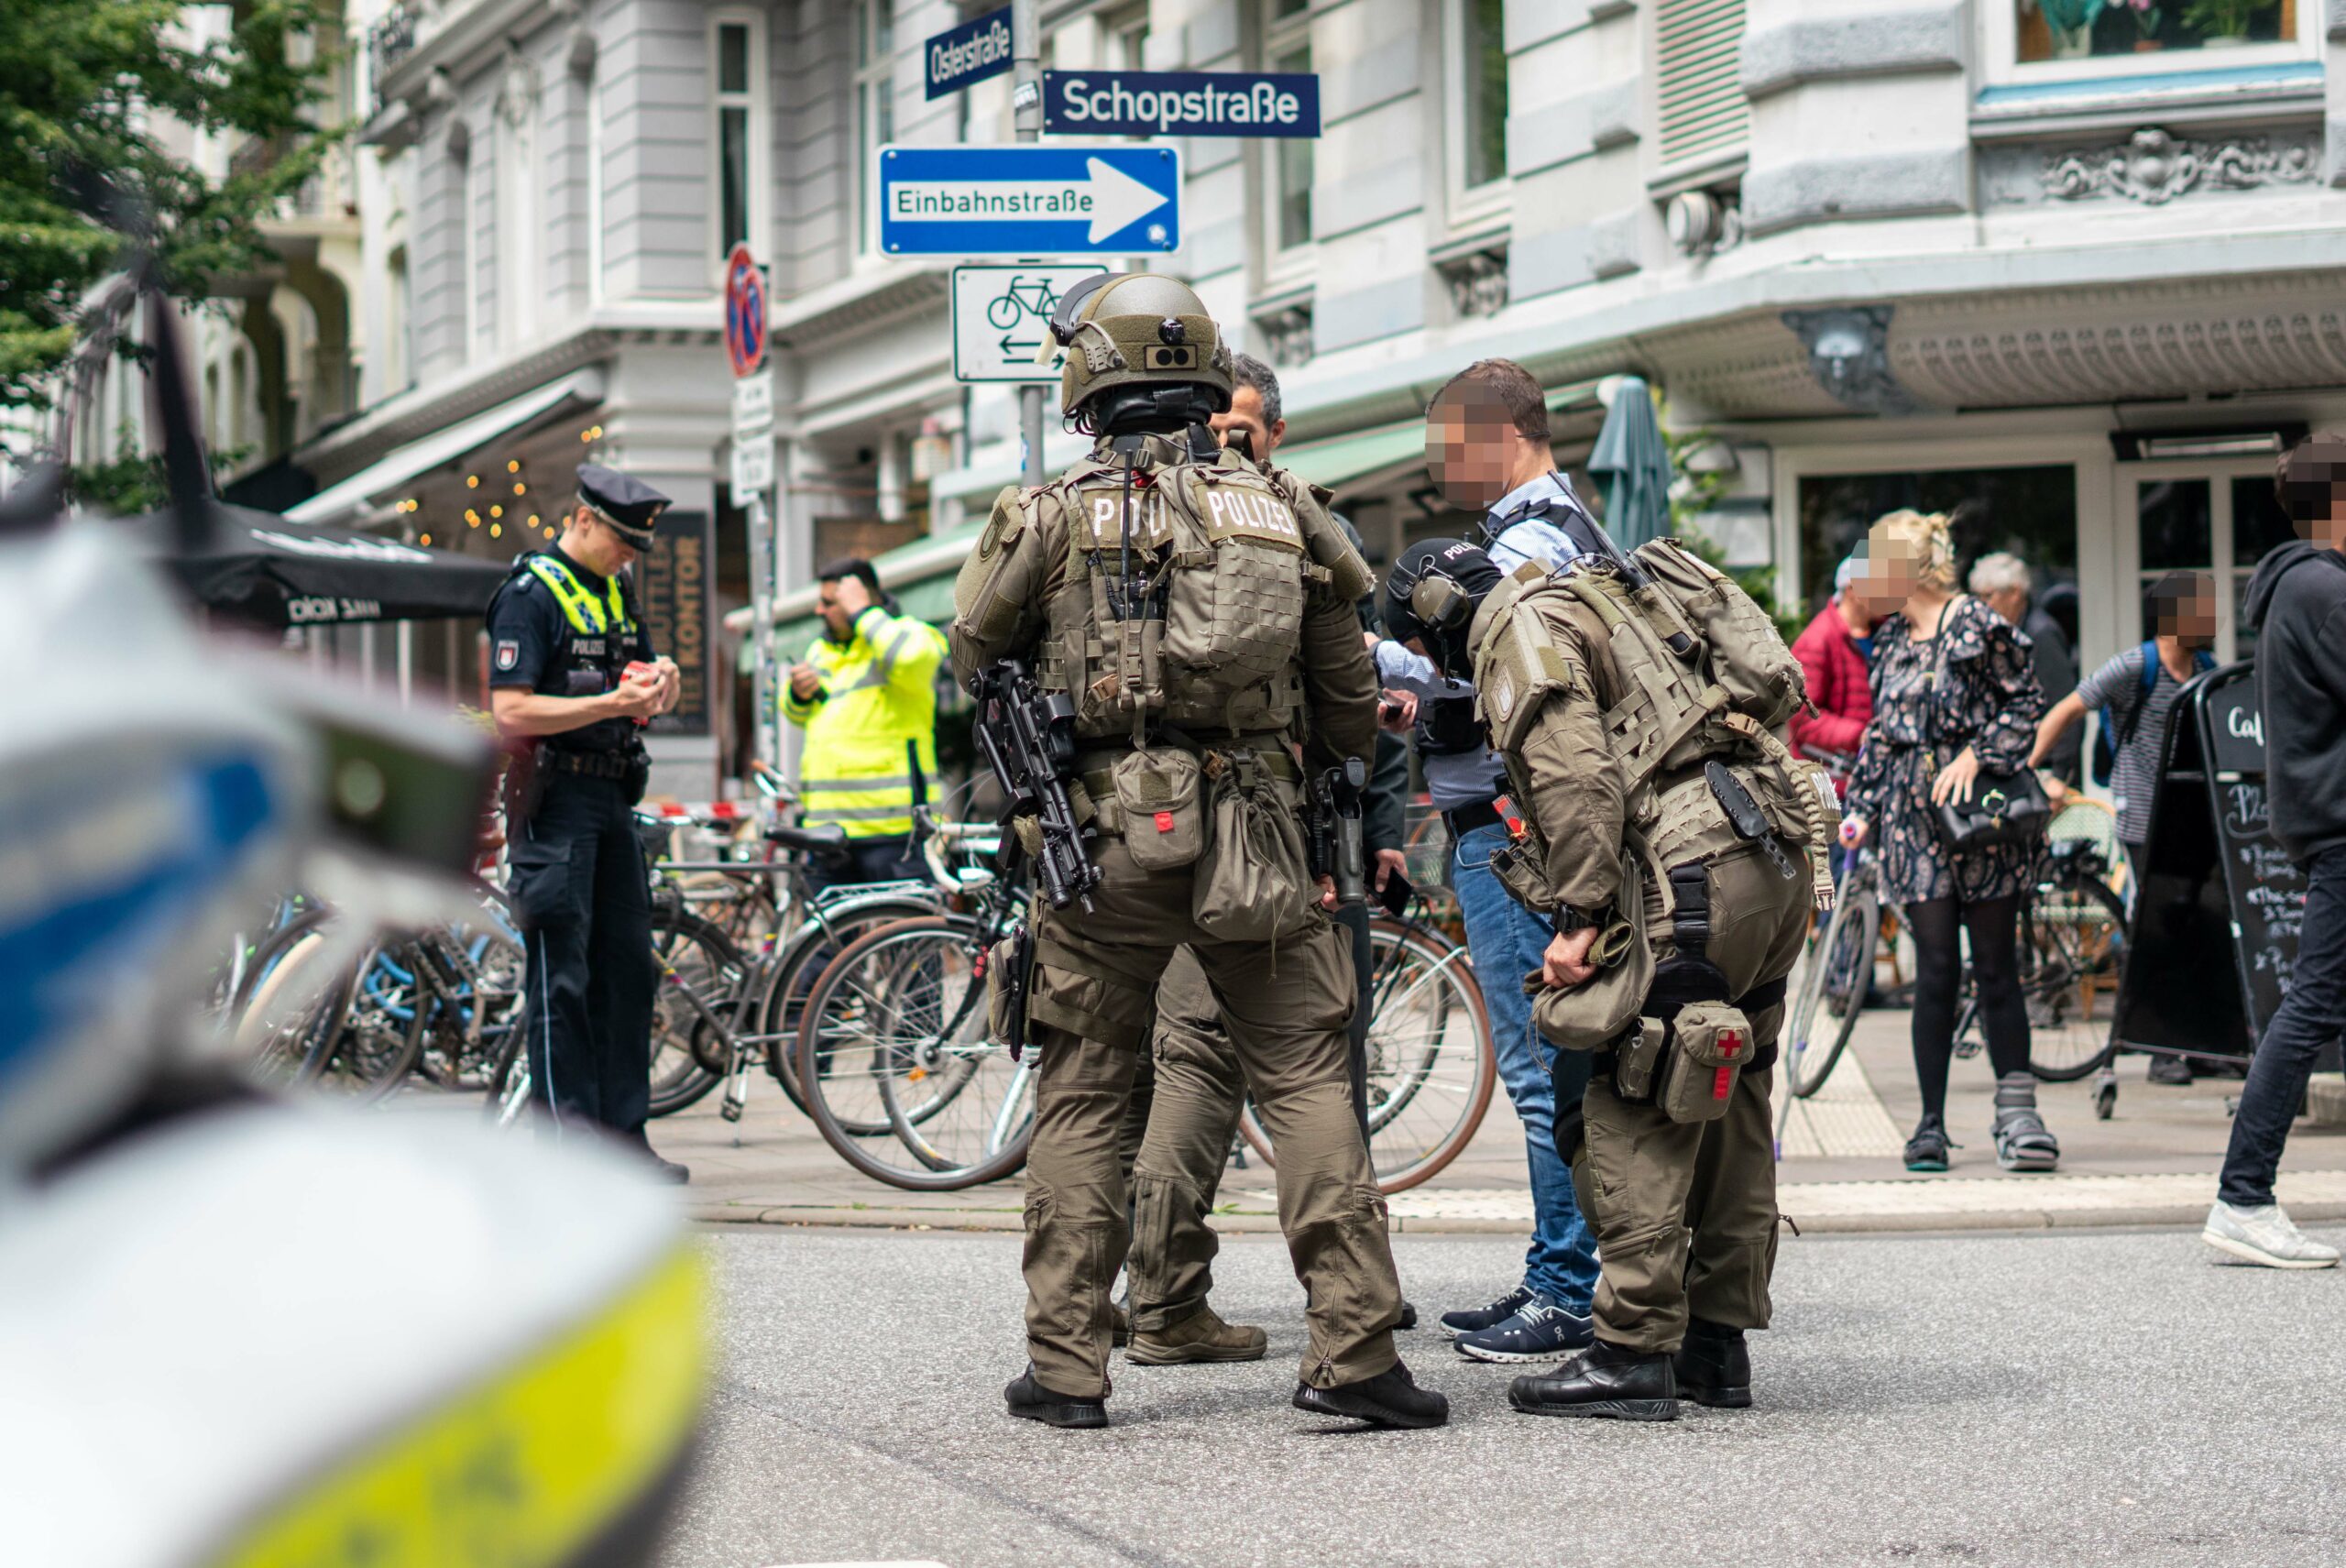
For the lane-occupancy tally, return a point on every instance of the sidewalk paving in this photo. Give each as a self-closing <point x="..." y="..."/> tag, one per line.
<point x="2153" y="1162"/>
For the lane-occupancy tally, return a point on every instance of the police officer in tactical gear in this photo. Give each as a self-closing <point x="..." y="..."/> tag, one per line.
<point x="1200" y="626"/>
<point x="1675" y="848"/>
<point x="573" y="680"/>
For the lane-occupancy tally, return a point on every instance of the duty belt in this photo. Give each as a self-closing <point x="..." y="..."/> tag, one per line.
<point x="590" y="765"/>
<point x="1464" y="820"/>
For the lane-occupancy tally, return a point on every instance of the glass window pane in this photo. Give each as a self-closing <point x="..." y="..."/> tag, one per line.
<point x="884" y="115"/>
<point x="883" y="28"/>
<point x="1295" y="165"/>
<point x="1282" y="9"/>
<point x="2085" y="30"/>
<point x="2258" y="521"/>
<point x="865" y="174"/>
<point x="733" y="58"/>
<point x="1485" y="70"/>
<point x="2177" y="517"/>
<point x="2031" y="512"/>
<point x="733" y="178"/>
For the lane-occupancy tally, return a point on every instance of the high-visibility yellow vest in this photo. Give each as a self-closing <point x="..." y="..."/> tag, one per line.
<point x="879" y="694"/>
<point x="586" y="616"/>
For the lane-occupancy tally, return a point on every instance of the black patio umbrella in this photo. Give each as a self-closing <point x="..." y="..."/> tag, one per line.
<point x="260" y="568"/>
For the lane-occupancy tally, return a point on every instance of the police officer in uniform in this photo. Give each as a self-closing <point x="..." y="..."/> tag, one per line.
<point x="1201" y="625"/>
<point x="573" y="680"/>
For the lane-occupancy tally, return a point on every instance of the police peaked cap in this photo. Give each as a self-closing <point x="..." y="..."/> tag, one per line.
<point x="632" y="507"/>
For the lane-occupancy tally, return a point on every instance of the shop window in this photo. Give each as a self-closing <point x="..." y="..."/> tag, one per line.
<point x="2092" y="30"/>
<point x="2259" y="526"/>
<point x="2031" y="512"/>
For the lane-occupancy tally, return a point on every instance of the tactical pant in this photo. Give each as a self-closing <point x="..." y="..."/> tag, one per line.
<point x="581" y="896"/>
<point x="1184" y="1114"/>
<point x="1685" y="1212"/>
<point x="1285" y="1004"/>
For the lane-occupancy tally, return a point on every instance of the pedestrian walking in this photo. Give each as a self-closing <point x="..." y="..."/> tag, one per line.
<point x="1955" y="698"/>
<point x="573" y="678"/>
<point x="1197" y="624"/>
<point x="2296" y="604"/>
<point x="2004" y="582"/>
<point x="1487" y="448"/>
<point x="866" y="695"/>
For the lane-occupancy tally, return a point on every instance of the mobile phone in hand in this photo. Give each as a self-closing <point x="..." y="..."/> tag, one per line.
<point x="1396" y="894"/>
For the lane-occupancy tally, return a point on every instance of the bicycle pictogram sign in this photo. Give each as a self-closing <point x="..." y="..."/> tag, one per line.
<point x="1002" y="321"/>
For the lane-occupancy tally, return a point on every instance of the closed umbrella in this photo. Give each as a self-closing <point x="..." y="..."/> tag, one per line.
<point x="257" y="568"/>
<point x="1635" y="462"/>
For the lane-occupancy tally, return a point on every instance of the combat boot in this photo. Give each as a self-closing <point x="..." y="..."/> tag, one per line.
<point x="1603" y="1380"/>
<point x="1120" y="1325"/>
<point x="1030" y="1401"/>
<point x="1714" y="1366"/>
<point x="1200" y="1336"/>
<point x="1391" y="1398"/>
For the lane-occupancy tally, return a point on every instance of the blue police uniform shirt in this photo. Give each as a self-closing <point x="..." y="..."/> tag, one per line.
<point x="533" y="648"/>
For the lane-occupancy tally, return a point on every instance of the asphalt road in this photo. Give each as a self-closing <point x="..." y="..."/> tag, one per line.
<point x="1973" y="1399"/>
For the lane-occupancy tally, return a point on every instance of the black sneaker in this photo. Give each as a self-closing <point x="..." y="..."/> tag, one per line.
<point x="2169" y="1069"/>
<point x="1542" y="1330"/>
<point x="1927" y="1150"/>
<point x="668" y="1171"/>
<point x="1603" y="1380"/>
<point x="1472" y="1320"/>
<point x="1391" y="1398"/>
<point x="1408" y="1316"/>
<point x="1714" y="1366"/>
<point x="1030" y="1401"/>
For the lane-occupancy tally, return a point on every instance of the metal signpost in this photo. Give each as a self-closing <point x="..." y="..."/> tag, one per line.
<point x="752" y="476"/>
<point x="1001" y="317"/>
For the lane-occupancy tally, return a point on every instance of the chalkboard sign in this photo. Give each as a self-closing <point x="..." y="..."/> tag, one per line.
<point x="2212" y="882"/>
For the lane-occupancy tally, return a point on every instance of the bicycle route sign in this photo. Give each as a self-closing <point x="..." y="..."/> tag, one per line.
<point x="1030" y="198"/>
<point x="1000" y="320"/>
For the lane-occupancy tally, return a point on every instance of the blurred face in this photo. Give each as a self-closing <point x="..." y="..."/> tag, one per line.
<point x="837" y="615"/>
<point x="2189" y="620"/>
<point x="1247" y="414"/>
<point x="1472" y="446"/>
<point x="1893" y="569"/>
<point x="2011" y="603"/>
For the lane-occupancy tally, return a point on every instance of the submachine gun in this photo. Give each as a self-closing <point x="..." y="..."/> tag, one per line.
<point x="1338" y="847"/>
<point x="1028" y="737"/>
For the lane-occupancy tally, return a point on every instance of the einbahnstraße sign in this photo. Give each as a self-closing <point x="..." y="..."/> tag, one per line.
<point x="1029" y="200"/>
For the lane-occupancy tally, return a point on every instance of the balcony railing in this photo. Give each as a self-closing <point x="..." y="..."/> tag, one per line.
<point x="390" y="41"/>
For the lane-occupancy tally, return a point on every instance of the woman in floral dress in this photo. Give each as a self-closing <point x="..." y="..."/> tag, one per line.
<point x="1955" y="696"/>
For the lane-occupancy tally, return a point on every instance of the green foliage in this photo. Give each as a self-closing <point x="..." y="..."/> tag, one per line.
<point x="111" y="85"/>
<point x="128" y="485"/>
<point x="1692" y="495"/>
<point x="2224" y="18"/>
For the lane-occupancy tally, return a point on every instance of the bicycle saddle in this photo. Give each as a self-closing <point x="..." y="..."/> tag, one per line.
<point x="831" y="836"/>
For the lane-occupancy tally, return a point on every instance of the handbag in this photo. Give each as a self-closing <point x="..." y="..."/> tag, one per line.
<point x="2002" y="808"/>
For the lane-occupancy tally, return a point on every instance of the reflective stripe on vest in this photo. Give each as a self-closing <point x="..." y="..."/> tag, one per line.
<point x="578" y="606"/>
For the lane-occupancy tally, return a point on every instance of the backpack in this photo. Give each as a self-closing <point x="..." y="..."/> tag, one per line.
<point x="1698" y="737"/>
<point x="1221" y="559"/>
<point x="2111" y="737"/>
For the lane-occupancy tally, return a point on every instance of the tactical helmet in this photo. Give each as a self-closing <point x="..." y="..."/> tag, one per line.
<point x="1137" y="329"/>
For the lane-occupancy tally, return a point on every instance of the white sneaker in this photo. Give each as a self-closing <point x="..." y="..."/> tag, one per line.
<point x="2265" y="1237"/>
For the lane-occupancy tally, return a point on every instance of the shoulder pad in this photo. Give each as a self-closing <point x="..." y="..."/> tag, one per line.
<point x="1518" y="665"/>
<point x="1014" y="509"/>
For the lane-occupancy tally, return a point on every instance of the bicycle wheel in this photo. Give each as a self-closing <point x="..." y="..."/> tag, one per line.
<point x="1431" y="1066"/>
<point x="379" y="1028"/>
<point x="275" y="1050"/>
<point x="781" y="1010"/>
<point x="700" y="974"/>
<point x="898" y="1074"/>
<point x="1836" y="974"/>
<point x="2072" y="952"/>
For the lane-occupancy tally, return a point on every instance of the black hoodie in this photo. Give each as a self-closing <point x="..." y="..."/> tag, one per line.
<point x="2296" y="605"/>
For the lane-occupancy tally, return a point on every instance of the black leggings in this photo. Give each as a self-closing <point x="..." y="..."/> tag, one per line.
<point x="1994" y="925"/>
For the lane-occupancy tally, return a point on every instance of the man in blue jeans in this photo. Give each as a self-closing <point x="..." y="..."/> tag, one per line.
<point x="2296" y="601"/>
<point x="1487" y="448"/>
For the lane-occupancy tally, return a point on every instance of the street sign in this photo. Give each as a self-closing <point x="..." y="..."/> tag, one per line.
<point x="745" y="312"/>
<point x="971" y="52"/>
<point x="753" y="466"/>
<point x="999" y="320"/>
<point x="752" y="405"/>
<point x="1117" y="199"/>
<point x="1180" y="104"/>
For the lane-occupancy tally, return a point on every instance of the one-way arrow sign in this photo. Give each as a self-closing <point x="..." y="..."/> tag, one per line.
<point x="1029" y="200"/>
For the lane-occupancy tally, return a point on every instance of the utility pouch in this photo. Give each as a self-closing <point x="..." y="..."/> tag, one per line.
<point x="524" y="786"/>
<point x="1009" y="970"/>
<point x="1635" y="1058"/>
<point x="1709" y="1043"/>
<point x="638" y="777"/>
<point x="1253" y="884"/>
<point x="1165" y="826"/>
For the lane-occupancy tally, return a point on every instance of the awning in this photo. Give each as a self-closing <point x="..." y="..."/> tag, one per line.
<point x="260" y="568"/>
<point x="357" y="495"/>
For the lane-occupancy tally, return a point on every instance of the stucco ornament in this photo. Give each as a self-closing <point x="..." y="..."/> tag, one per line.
<point x="2155" y="167"/>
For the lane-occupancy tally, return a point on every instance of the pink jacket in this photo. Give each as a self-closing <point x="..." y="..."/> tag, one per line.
<point x="1837" y="686"/>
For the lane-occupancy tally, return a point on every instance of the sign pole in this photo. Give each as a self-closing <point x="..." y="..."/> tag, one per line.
<point x="1026" y="104"/>
<point x="751" y="480"/>
<point x="762" y="661"/>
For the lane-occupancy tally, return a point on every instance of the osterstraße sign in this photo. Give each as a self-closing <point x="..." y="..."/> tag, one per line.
<point x="971" y="52"/>
<point x="1181" y="103"/>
